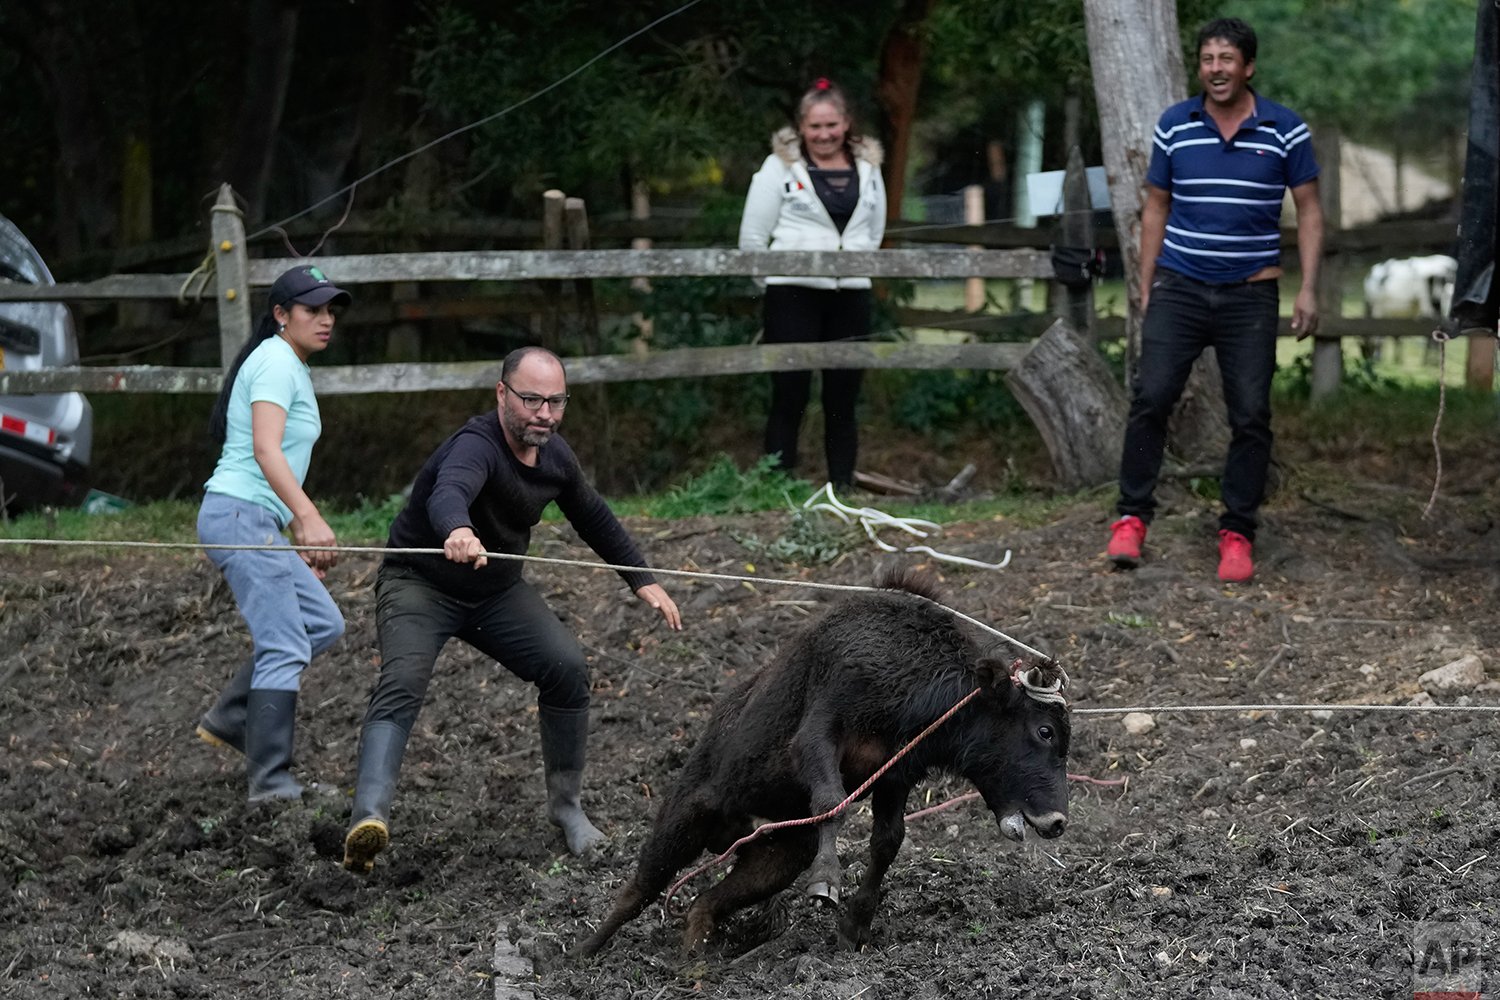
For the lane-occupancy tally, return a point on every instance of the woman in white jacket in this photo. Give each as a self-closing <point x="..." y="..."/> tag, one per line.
<point x="820" y="189"/>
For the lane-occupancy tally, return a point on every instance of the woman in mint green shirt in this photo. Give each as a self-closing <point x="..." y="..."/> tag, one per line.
<point x="266" y="420"/>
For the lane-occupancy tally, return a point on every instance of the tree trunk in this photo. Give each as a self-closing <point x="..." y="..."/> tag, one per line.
<point x="1138" y="72"/>
<point x="1075" y="404"/>
<point x="901" y="58"/>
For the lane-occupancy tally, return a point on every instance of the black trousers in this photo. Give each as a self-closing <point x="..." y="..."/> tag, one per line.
<point x="794" y="314"/>
<point x="414" y="619"/>
<point x="1183" y="317"/>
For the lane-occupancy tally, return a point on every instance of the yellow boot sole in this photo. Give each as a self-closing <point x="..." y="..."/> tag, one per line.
<point x="368" y="838"/>
<point x="216" y="741"/>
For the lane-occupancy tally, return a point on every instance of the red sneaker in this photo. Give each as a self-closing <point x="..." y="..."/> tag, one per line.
<point x="1234" y="557"/>
<point x="1125" y="538"/>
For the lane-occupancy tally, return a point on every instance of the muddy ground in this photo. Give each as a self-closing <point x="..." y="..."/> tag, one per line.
<point x="1252" y="854"/>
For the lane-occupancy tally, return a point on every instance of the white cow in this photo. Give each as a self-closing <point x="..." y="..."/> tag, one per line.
<point x="1417" y="287"/>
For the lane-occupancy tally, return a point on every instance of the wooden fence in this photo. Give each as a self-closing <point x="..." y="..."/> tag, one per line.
<point x="235" y="276"/>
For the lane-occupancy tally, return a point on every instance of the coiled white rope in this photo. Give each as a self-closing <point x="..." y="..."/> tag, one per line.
<point x="872" y="519"/>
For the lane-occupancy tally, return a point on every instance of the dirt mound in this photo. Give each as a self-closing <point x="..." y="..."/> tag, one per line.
<point x="1253" y="853"/>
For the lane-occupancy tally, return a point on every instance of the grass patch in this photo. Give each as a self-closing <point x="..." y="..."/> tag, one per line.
<point x="723" y="489"/>
<point x="162" y="521"/>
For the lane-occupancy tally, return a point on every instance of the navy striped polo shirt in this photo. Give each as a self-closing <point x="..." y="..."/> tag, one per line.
<point x="1225" y="218"/>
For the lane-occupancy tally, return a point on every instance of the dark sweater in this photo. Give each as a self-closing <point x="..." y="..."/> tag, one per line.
<point x="475" y="480"/>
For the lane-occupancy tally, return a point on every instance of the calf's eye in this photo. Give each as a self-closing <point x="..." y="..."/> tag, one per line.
<point x="1044" y="732"/>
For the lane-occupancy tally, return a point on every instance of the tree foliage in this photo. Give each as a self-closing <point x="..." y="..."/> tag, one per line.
<point x="688" y="104"/>
<point x="1381" y="70"/>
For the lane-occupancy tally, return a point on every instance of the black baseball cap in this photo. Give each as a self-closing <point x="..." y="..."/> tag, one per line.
<point x="308" y="285"/>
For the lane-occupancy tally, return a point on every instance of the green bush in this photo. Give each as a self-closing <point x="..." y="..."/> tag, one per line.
<point x="723" y="489"/>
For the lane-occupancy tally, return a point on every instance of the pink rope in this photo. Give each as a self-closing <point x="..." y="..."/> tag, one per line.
<point x="959" y="800"/>
<point x="766" y="828"/>
<point x="1106" y="782"/>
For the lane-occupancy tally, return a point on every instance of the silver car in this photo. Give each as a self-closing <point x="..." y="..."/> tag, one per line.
<point x="45" y="440"/>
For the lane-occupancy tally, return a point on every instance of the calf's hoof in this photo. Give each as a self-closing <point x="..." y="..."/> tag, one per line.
<point x="853" y="935"/>
<point x="826" y="891"/>
<point x="695" y="935"/>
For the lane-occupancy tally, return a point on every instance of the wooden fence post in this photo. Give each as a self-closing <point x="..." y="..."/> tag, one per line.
<point x="1077" y="230"/>
<point x="974" y="216"/>
<point x="640" y="211"/>
<point x="231" y="274"/>
<point x="596" y="396"/>
<point x="1328" y="352"/>
<point x="1479" y="370"/>
<point x="553" y="208"/>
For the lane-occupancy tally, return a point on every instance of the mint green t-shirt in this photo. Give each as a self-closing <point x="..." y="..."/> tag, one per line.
<point x="271" y="374"/>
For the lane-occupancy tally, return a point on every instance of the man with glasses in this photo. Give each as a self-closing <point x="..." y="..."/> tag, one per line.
<point x="481" y="492"/>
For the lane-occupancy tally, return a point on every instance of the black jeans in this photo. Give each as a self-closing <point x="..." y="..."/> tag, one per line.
<point x="794" y="314"/>
<point x="1182" y="318"/>
<point x="413" y="620"/>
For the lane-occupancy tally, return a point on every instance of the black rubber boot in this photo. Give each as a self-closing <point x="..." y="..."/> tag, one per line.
<point x="564" y="746"/>
<point x="381" y="747"/>
<point x="270" y="729"/>
<point x="224" y="724"/>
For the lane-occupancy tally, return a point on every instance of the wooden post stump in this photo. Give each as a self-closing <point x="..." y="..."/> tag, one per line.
<point x="1076" y="404"/>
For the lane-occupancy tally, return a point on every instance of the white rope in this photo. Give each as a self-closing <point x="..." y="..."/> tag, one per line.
<point x="1046" y="693"/>
<point x="1441" y="336"/>
<point x="546" y="560"/>
<point x="1152" y="709"/>
<point x="872" y="519"/>
<point x="843" y="587"/>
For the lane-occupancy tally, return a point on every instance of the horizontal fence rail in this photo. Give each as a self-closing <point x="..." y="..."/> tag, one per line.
<point x="337" y="380"/>
<point x="534" y="265"/>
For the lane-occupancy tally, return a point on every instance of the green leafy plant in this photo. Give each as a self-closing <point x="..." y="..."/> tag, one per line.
<point x="809" y="539"/>
<point x="723" y="489"/>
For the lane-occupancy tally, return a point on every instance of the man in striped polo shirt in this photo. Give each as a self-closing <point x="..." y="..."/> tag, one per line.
<point x="1210" y="259"/>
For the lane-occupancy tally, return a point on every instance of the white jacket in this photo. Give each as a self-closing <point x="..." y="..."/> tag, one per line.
<point x="783" y="212"/>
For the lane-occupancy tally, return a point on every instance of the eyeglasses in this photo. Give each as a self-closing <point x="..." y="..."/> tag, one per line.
<point x="533" y="402"/>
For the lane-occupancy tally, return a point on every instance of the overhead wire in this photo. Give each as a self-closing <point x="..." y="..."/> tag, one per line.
<point x="349" y="188"/>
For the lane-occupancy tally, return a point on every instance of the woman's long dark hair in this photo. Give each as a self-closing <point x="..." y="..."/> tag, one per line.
<point x="218" y="420"/>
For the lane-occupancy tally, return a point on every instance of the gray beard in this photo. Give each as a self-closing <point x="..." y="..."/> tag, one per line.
<point x="523" y="432"/>
<point x="535" y="438"/>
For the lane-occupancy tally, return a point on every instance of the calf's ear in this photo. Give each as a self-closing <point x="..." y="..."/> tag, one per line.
<point x="993" y="672"/>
